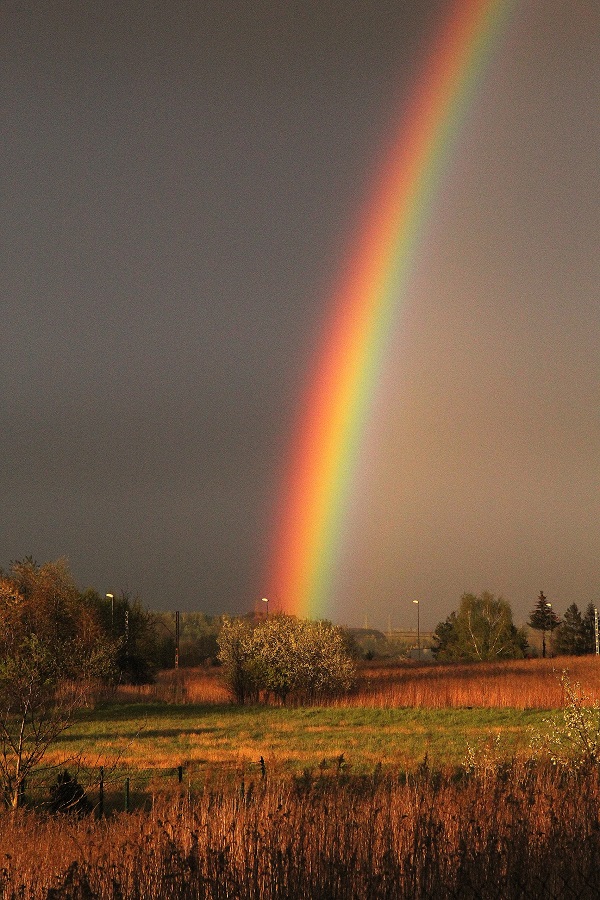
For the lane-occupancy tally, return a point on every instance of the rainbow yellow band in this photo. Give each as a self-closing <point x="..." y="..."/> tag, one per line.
<point x="366" y="309"/>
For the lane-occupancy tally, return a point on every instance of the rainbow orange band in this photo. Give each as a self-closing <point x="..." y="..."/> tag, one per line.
<point x="365" y="311"/>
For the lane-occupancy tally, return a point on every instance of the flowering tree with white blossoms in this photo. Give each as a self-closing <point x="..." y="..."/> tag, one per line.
<point x="285" y="657"/>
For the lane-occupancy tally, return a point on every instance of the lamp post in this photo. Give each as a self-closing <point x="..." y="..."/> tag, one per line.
<point x="549" y="605"/>
<point x="416" y="602"/>
<point x="111" y="597"/>
<point x="266" y="600"/>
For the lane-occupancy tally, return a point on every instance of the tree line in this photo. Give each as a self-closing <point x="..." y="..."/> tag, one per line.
<point x="482" y="629"/>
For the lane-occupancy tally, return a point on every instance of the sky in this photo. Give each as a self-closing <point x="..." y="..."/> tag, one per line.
<point x="181" y="184"/>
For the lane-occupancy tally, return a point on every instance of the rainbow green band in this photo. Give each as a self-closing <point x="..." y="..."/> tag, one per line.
<point x="334" y="412"/>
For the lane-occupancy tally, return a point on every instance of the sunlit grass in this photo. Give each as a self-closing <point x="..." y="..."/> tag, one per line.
<point x="511" y="831"/>
<point x="511" y="684"/>
<point x="161" y="736"/>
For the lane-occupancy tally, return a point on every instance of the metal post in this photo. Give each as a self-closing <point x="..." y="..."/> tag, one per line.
<point x="596" y="630"/>
<point x="551" y="623"/>
<point x="177" y="639"/>
<point x="111" y="597"/>
<point x="416" y="602"/>
<point x="101" y="793"/>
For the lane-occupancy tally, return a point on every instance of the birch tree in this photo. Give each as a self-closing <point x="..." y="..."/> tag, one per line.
<point x="481" y="630"/>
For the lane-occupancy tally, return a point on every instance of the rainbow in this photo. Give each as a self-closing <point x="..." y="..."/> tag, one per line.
<point x="365" y="309"/>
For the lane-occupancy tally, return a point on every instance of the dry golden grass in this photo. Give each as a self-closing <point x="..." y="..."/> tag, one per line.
<point x="202" y="685"/>
<point x="516" y="832"/>
<point x="517" y="684"/>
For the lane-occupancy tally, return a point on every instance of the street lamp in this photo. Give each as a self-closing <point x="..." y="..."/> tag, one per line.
<point x="111" y="597"/>
<point x="266" y="600"/>
<point x="549" y="605"/>
<point x="416" y="602"/>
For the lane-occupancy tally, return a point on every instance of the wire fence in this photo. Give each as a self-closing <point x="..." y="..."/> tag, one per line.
<point x="511" y="834"/>
<point x="100" y="791"/>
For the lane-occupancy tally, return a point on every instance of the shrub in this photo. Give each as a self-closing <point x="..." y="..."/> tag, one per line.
<point x="572" y="737"/>
<point x="68" y="796"/>
<point x="285" y="657"/>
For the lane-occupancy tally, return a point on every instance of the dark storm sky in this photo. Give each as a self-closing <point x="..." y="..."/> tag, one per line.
<point x="180" y="181"/>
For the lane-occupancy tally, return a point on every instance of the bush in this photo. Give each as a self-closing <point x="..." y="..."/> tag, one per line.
<point x="285" y="657"/>
<point x="68" y="796"/>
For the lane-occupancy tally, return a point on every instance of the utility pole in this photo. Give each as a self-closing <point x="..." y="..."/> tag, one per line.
<point x="111" y="597"/>
<point x="551" y="623"/>
<point x="416" y="602"/>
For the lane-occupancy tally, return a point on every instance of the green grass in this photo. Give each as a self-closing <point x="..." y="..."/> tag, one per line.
<point x="159" y="737"/>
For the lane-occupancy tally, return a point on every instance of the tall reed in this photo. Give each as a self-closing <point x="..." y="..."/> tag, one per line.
<point x="516" y="830"/>
<point x="517" y="684"/>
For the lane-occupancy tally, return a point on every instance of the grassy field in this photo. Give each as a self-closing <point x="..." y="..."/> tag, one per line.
<point x="396" y="717"/>
<point x="162" y="736"/>
<point x="344" y="806"/>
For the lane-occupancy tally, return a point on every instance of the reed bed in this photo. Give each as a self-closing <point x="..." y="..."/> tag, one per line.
<point x="198" y="686"/>
<point x="515" y="830"/>
<point x="515" y="684"/>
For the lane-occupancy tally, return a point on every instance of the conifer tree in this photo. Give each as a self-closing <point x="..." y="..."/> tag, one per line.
<point x="543" y="618"/>
<point x="570" y="639"/>
<point x="589" y="629"/>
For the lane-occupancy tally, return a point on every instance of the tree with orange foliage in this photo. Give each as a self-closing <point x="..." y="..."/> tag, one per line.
<point x="51" y="649"/>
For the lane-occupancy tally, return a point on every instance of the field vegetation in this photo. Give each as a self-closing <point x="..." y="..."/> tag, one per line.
<point x="510" y="684"/>
<point x="489" y="831"/>
<point x="397" y="717"/>
<point x="423" y="782"/>
<point x="292" y="770"/>
<point x="203" y="739"/>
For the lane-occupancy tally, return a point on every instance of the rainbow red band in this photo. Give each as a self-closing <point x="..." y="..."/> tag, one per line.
<point x="334" y="411"/>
